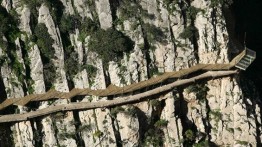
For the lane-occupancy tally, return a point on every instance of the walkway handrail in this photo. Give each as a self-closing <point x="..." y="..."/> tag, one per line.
<point x="110" y="103"/>
<point x="114" y="90"/>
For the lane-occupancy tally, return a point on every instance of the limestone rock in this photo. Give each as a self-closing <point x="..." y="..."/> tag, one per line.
<point x="211" y="50"/>
<point x="36" y="67"/>
<point x="83" y="9"/>
<point x="68" y="7"/>
<point x="226" y="114"/>
<point x="104" y="13"/>
<point x="46" y="18"/>
<point x="173" y="131"/>
<point x="60" y="83"/>
<point x="6" y="4"/>
<point x="128" y="129"/>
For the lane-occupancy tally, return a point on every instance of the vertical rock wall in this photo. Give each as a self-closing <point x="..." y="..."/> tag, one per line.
<point x="168" y="36"/>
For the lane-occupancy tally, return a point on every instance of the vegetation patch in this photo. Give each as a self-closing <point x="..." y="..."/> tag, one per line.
<point x="45" y="42"/>
<point x="170" y="5"/>
<point x="90" y="69"/>
<point x="98" y="134"/>
<point x="199" y="89"/>
<point x="161" y="123"/>
<point x="216" y="115"/>
<point x="245" y="143"/>
<point x="130" y="8"/>
<point x="189" y="32"/>
<point x="10" y="31"/>
<point x="154" y="137"/>
<point x="203" y="143"/>
<point x="193" y="11"/>
<point x="110" y="44"/>
<point x="154" y="34"/>
<point x="72" y="66"/>
<point x="189" y="136"/>
<point x="114" y="111"/>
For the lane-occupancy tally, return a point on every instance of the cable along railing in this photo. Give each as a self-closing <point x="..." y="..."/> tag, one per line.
<point x="241" y="61"/>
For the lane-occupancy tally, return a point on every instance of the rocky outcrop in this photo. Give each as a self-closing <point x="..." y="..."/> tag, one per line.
<point x="104" y="13"/>
<point x="46" y="18"/>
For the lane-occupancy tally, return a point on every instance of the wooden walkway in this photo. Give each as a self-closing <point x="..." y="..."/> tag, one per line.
<point x="222" y="69"/>
<point x="109" y="103"/>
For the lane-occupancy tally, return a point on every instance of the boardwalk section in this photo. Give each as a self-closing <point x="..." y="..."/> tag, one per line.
<point x="114" y="90"/>
<point x="109" y="103"/>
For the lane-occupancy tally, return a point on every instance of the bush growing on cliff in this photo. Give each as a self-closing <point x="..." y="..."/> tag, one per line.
<point x="45" y="42"/>
<point x="8" y="26"/>
<point x="154" y="33"/>
<point x="189" y="135"/>
<point x="189" y="32"/>
<point x="199" y="89"/>
<point x="109" y="44"/>
<point x="4" y="21"/>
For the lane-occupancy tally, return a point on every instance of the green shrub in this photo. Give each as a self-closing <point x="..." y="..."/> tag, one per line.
<point x="87" y="26"/>
<point x="72" y="66"/>
<point x="17" y="68"/>
<point x="189" y="135"/>
<point x="199" y="89"/>
<point x="154" y="33"/>
<point x="189" y="32"/>
<point x="153" y="70"/>
<point x="203" y="143"/>
<point x="109" y="44"/>
<point x="130" y="111"/>
<point x="49" y="74"/>
<point x="193" y="11"/>
<point x="67" y="23"/>
<point x="114" y="111"/>
<point x="8" y="26"/>
<point x="98" y="134"/>
<point x="45" y="42"/>
<point x="161" y="123"/>
<point x="217" y="115"/>
<point x="155" y="103"/>
<point x="56" y="9"/>
<point x="5" y="21"/>
<point x="154" y="137"/>
<point x="245" y="143"/>
<point x="90" y="69"/>
<point x="170" y="5"/>
<point x="128" y="9"/>
<point x="31" y="4"/>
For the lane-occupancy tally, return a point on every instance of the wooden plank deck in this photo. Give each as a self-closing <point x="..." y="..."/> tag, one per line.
<point x="114" y="90"/>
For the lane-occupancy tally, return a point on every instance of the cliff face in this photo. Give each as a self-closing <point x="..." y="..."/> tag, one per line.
<point x="46" y="44"/>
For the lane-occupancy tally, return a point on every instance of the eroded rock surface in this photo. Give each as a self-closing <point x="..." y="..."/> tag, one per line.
<point x="166" y="36"/>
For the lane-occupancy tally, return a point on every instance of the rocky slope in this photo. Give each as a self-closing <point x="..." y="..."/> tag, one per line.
<point x="45" y="44"/>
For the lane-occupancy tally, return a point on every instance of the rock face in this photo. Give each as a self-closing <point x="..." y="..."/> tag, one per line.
<point x="166" y="36"/>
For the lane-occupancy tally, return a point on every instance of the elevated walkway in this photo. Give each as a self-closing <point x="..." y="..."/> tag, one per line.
<point x="241" y="61"/>
<point x="247" y="59"/>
